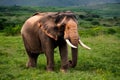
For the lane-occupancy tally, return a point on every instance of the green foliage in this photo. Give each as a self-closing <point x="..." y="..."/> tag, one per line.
<point x="111" y="31"/>
<point x="98" y="30"/>
<point x="12" y="30"/>
<point x="106" y="10"/>
<point x="16" y="15"/>
<point x="100" y="63"/>
<point x="95" y="23"/>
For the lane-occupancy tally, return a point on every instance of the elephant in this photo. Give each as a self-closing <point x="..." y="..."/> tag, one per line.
<point x="44" y="31"/>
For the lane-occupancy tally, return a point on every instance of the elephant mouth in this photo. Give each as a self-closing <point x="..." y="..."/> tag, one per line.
<point x="70" y="44"/>
<point x="80" y="42"/>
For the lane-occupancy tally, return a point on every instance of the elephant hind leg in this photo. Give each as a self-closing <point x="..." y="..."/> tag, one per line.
<point x="32" y="62"/>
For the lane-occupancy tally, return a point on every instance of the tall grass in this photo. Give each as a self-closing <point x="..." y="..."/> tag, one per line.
<point x="100" y="63"/>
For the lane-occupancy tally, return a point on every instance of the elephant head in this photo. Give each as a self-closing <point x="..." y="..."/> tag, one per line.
<point x="63" y="24"/>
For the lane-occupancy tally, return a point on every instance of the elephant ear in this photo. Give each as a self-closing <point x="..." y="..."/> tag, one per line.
<point x="49" y="27"/>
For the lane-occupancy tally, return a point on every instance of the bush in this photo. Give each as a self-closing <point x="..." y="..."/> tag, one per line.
<point x="95" y="23"/>
<point x="12" y="30"/>
<point x="2" y="23"/>
<point x="82" y="16"/>
<point x="94" y="31"/>
<point x="111" y="31"/>
<point x="98" y="30"/>
<point x="89" y="19"/>
<point x="95" y="16"/>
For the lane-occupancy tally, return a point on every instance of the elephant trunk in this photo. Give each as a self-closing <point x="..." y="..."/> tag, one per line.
<point x="71" y="34"/>
<point x="74" y="40"/>
<point x="73" y="62"/>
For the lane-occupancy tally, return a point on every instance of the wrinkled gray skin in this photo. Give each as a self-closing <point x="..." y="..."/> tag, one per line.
<point x="45" y="31"/>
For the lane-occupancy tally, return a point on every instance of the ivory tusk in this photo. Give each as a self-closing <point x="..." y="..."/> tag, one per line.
<point x="70" y="44"/>
<point x="83" y="45"/>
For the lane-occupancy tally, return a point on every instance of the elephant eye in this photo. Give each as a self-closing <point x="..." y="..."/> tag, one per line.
<point x="62" y="28"/>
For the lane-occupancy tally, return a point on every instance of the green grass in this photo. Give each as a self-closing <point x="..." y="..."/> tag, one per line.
<point x="100" y="63"/>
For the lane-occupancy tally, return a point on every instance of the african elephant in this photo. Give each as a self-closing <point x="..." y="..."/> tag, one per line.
<point x="45" y="31"/>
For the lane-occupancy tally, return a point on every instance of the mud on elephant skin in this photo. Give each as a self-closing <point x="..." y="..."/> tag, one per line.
<point x="43" y="32"/>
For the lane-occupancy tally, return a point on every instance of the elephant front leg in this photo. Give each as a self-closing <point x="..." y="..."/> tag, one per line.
<point x="64" y="57"/>
<point x="32" y="62"/>
<point x="50" y="59"/>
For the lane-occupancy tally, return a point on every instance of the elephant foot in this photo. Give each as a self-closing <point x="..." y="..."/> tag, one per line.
<point x="71" y="64"/>
<point x="49" y="69"/>
<point x="63" y="70"/>
<point x="30" y="65"/>
<point x="64" y="67"/>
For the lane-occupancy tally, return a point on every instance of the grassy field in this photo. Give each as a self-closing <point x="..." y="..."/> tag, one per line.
<point x="99" y="28"/>
<point x="100" y="63"/>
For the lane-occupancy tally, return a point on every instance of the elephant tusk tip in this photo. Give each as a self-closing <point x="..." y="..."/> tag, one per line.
<point x="89" y="48"/>
<point x="83" y="45"/>
<point x="74" y="47"/>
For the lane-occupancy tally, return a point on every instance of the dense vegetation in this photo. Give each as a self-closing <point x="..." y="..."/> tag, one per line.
<point x="98" y="28"/>
<point x="12" y="18"/>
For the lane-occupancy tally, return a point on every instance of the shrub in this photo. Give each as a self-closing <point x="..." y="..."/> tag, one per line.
<point x="84" y="24"/>
<point x="82" y="16"/>
<point x="89" y="19"/>
<point x="95" y="23"/>
<point x="98" y="30"/>
<point x="12" y="30"/>
<point x="2" y="23"/>
<point x="94" y="31"/>
<point x="111" y="31"/>
<point x="117" y="24"/>
<point x="95" y="16"/>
